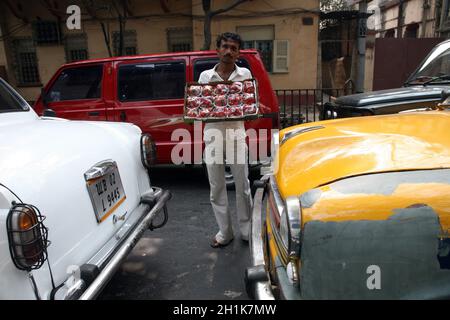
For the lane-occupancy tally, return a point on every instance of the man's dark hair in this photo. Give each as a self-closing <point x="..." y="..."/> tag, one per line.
<point x="228" y="36"/>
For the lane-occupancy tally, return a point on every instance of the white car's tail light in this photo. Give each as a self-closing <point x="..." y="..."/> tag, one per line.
<point x="27" y="237"/>
<point x="148" y="150"/>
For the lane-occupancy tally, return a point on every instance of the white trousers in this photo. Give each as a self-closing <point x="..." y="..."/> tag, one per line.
<point x="218" y="193"/>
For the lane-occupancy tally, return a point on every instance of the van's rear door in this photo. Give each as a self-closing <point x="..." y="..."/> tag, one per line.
<point x="149" y="92"/>
<point x="77" y="92"/>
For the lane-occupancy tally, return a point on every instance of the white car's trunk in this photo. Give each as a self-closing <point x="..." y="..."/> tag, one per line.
<point x="52" y="156"/>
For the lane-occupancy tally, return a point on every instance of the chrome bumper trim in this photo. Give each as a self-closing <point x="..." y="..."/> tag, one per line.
<point x="258" y="286"/>
<point x="127" y="245"/>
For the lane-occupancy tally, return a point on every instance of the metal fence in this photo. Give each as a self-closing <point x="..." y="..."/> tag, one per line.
<point x="304" y="105"/>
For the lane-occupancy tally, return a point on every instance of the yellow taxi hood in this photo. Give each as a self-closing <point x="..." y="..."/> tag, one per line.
<point x="354" y="146"/>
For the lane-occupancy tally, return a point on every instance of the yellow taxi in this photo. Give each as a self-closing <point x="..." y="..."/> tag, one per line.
<point x="355" y="208"/>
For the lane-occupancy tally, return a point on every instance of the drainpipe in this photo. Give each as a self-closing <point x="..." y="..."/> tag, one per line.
<point x="425" y="10"/>
<point x="400" y="20"/>
<point x="443" y="17"/>
<point x="437" y="17"/>
<point x="361" y="45"/>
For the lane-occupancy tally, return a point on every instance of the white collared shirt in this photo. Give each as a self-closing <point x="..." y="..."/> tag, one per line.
<point x="211" y="75"/>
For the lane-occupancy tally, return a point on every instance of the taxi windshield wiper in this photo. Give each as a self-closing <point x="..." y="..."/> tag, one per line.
<point x="418" y="80"/>
<point x="434" y="79"/>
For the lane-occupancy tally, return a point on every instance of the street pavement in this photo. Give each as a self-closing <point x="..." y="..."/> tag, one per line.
<point x="176" y="261"/>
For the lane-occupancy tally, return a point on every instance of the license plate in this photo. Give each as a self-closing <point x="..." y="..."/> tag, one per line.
<point x="106" y="193"/>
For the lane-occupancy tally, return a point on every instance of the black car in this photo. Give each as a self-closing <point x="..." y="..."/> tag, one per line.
<point x="422" y="90"/>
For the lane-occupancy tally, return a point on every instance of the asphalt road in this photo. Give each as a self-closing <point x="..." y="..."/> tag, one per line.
<point x="176" y="261"/>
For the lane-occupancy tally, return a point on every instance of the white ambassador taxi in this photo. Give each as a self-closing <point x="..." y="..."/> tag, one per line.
<point x="75" y="197"/>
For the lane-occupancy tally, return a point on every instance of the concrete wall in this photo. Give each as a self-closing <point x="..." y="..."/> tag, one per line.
<point x="151" y="22"/>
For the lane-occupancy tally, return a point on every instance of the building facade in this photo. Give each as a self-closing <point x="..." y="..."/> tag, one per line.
<point x="38" y="37"/>
<point x="402" y="19"/>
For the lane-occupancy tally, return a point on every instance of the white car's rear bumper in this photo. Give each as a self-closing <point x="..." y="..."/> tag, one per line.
<point x="97" y="272"/>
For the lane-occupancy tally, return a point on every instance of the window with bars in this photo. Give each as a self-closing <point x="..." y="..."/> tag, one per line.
<point x="26" y="66"/>
<point x="76" y="47"/>
<point x="261" y="38"/>
<point x="129" y="43"/>
<point x="46" y="32"/>
<point x="179" y="39"/>
<point x="265" y="48"/>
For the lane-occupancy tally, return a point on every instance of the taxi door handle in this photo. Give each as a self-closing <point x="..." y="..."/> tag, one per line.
<point x="93" y="113"/>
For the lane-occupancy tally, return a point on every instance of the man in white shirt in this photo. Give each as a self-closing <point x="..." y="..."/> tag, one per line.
<point x="233" y="134"/>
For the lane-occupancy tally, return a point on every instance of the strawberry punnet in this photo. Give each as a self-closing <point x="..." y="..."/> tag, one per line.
<point x="249" y="109"/>
<point x="221" y="89"/>
<point x="207" y="91"/>
<point x="234" y="99"/>
<point x="249" y="87"/>
<point x="220" y="101"/>
<point x="236" y="87"/>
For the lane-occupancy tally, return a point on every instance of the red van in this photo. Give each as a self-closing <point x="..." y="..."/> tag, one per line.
<point x="149" y="92"/>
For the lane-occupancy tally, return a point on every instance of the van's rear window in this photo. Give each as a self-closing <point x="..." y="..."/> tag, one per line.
<point x="152" y="81"/>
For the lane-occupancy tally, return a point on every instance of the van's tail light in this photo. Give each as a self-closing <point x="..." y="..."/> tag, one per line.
<point x="148" y="150"/>
<point x="27" y="237"/>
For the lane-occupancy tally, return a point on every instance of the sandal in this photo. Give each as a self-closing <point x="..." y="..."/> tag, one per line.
<point x="217" y="244"/>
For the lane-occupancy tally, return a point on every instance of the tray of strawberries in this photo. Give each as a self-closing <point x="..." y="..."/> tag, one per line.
<point x="221" y="101"/>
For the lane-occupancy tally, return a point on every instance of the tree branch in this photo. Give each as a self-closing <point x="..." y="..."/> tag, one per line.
<point x="15" y="12"/>
<point x="231" y="6"/>
<point x="206" y="4"/>
<point x="54" y="11"/>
